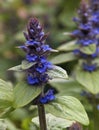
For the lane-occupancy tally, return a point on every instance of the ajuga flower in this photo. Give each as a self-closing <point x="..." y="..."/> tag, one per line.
<point x="48" y="96"/>
<point x="86" y="36"/>
<point x="36" y="52"/>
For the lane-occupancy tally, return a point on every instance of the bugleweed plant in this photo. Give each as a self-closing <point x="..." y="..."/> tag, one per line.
<point x="54" y="112"/>
<point x="85" y="51"/>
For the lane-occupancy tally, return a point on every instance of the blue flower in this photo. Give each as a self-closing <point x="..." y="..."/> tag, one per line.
<point x="85" y="27"/>
<point x="46" y="48"/>
<point x="89" y="68"/>
<point x="31" y="80"/>
<point x="41" y="68"/>
<point x="49" y="96"/>
<point x="86" y="42"/>
<point x="76" y="51"/>
<point x="32" y="43"/>
<point x="31" y="58"/>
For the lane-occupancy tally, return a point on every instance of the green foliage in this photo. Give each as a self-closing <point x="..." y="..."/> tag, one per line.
<point x="3" y="126"/>
<point x="67" y="87"/>
<point x="16" y="68"/>
<point x="69" y="108"/>
<point x="6" y="94"/>
<point x="24" y="93"/>
<point x="69" y="46"/>
<point x="24" y="65"/>
<point x="89" y="80"/>
<point x="90" y="49"/>
<point x="62" y="58"/>
<point x="57" y="72"/>
<point x="54" y="123"/>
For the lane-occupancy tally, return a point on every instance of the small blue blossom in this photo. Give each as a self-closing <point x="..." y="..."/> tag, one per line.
<point x="49" y="96"/>
<point x="32" y="43"/>
<point x="31" y="80"/>
<point x="76" y="51"/>
<point x="85" y="27"/>
<point x="89" y="68"/>
<point x="41" y="68"/>
<point x="86" y="42"/>
<point x="31" y="58"/>
<point x="46" y="48"/>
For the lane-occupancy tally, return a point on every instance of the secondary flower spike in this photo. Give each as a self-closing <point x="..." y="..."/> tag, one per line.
<point x="86" y="36"/>
<point x="36" y="52"/>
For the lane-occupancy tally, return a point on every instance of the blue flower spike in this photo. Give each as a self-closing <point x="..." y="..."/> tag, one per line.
<point x="36" y="51"/>
<point x="86" y="35"/>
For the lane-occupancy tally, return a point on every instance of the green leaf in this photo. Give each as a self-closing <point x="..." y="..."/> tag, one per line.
<point x="3" y="125"/>
<point x="69" y="46"/>
<point x="27" y="65"/>
<point x="64" y="57"/>
<point x="24" y="93"/>
<point x="90" y="49"/>
<point x="6" y="94"/>
<point x="90" y="80"/>
<point x="53" y="122"/>
<point x="69" y="108"/>
<point x="57" y="72"/>
<point x="67" y="87"/>
<point x="16" y="68"/>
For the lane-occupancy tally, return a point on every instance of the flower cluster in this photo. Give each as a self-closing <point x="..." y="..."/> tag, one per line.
<point x="36" y="52"/>
<point x="94" y="6"/>
<point x="86" y="36"/>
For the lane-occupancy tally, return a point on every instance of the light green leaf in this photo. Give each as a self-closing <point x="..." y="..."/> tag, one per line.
<point x="6" y="94"/>
<point x="90" y="80"/>
<point x="53" y="122"/>
<point x="64" y="57"/>
<point x="57" y="72"/>
<point x="3" y="125"/>
<point x="90" y="49"/>
<point x="27" y="65"/>
<point x="24" y="93"/>
<point x="16" y="68"/>
<point x="69" y="108"/>
<point x="69" y="46"/>
<point x="67" y="87"/>
<point x="10" y="125"/>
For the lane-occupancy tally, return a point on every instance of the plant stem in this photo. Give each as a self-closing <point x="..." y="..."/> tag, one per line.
<point x="42" y="119"/>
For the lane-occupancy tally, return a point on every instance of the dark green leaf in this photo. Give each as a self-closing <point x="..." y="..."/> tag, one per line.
<point x="57" y="72"/>
<point x="69" y="108"/>
<point x="90" y="80"/>
<point x="24" y="93"/>
<point x="64" y="57"/>
<point x="6" y="94"/>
